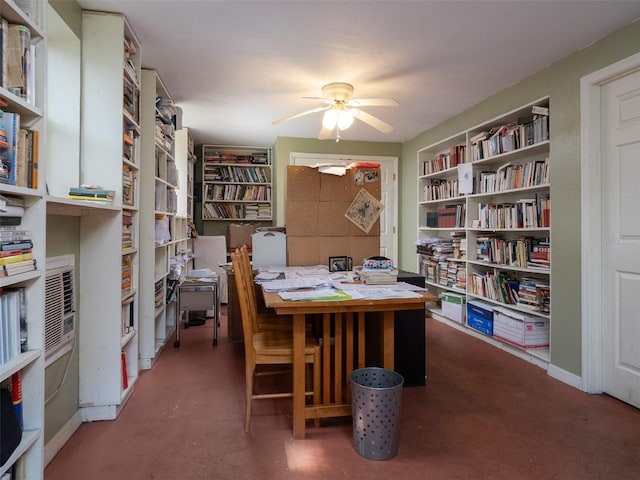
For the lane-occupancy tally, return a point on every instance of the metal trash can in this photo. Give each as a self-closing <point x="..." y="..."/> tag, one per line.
<point x="376" y="395"/>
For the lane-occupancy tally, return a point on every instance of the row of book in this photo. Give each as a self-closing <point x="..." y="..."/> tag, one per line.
<point x="261" y="158"/>
<point x="18" y="152"/>
<point x="212" y="211"/>
<point x="128" y="185"/>
<point x="445" y="161"/>
<point x="527" y="292"/>
<point x="448" y="216"/>
<point x="17" y="66"/>
<point x="228" y="173"/>
<point x="91" y="193"/>
<point x="523" y="252"/>
<point x="127" y="273"/>
<point x="439" y="189"/>
<point x="525" y="213"/>
<point x="523" y="132"/>
<point x="511" y="177"/>
<point x="258" y="211"/>
<point x="13" y="323"/>
<point x="238" y="192"/>
<point x="127" y="229"/>
<point x="445" y="272"/>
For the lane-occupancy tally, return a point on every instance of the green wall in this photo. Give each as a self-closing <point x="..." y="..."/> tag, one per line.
<point x="561" y="81"/>
<point x="63" y="237"/>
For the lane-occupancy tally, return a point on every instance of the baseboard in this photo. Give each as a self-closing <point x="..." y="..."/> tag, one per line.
<point x="54" y="445"/>
<point x="566" y="377"/>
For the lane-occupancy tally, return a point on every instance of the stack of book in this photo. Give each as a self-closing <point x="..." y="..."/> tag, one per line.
<point x="378" y="276"/>
<point x="92" y="193"/>
<point x="15" y="252"/>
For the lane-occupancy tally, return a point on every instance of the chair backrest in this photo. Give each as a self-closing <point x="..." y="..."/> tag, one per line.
<point x="246" y="310"/>
<point x="247" y="271"/>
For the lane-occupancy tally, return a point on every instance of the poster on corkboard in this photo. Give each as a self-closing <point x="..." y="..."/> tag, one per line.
<point x="364" y="210"/>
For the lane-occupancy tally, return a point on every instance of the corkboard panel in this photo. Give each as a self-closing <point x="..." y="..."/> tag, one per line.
<point x="336" y="188"/>
<point x="363" y="247"/>
<point x="302" y="218"/>
<point x="334" y="247"/>
<point x="331" y="219"/>
<point x="303" y="183"/>
<point x="303" y="251"/>
<point x="367" y="178"/>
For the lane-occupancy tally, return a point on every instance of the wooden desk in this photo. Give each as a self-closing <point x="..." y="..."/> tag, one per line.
<point x="338" y="319"/>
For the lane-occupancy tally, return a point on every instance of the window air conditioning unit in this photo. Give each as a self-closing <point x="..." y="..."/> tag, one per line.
<point x="59" y="308"/>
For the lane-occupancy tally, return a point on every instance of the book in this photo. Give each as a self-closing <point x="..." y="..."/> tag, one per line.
<point x="12" y="211"/>
<point x="18" y="62"/>
<point x="33" y="137"/>
<point x="18" y="271"/>
<point x="16" y="396"/>
<point x="11" y="124"/>
<point x="4" y="25"/>
<point x="16" y="258"/>
<point x="91" y="198"/>
<point x="22" y="179"/>
<point x="92" y="192"/>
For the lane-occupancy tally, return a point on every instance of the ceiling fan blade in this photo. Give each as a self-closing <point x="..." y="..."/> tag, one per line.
<point x="325" y="133"/>
<point x="297" y="115"/>
<point x="321" y="99"/>
<point x="369" y="119"/>
<point x="373" y="102"/>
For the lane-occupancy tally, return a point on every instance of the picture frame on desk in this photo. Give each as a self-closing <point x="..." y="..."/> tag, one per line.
<point x="340" y="264"/>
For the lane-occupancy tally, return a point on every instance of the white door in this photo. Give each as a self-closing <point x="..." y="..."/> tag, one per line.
<point x="621" y="238"/>
<point x="388" y="197"/>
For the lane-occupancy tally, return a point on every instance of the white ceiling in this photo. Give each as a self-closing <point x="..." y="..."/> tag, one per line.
<point x="236" y="66"/>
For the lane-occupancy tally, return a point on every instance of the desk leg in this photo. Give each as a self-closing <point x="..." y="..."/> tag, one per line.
<point x="299" y="415"/>
<point x="388" y="340"/>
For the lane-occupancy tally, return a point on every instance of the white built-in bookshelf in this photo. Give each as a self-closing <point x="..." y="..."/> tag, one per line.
<point x="160" y="228"/>
<point x="25" y="361"/>
<point x="236" y="183"/>
<point x="484" y="222"/>
<point x="108" y="361"/>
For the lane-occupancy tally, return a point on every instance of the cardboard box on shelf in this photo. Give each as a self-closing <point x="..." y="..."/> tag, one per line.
<point x="480" y="316"/>
<point x="520" y="329"/>
<point x="453" y="306"/>
<point x="240" y="234"/>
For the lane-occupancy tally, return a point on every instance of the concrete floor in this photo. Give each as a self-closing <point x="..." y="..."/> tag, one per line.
<point x="482" y="414"/>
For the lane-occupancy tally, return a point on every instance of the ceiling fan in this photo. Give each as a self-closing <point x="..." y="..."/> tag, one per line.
<point x="342" y="109"/>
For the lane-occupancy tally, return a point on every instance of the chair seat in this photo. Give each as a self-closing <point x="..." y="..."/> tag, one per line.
<point x="279" y="343"/>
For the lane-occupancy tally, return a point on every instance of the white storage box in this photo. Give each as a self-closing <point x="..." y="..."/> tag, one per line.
<point x="520" y="329"/>
<point x="453" y="306"/>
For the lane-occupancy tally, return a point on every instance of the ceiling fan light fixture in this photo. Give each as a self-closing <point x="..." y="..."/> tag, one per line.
<point x="341" y="117"/>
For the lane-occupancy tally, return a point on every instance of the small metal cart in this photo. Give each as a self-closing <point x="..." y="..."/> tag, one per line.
<point x="195" y="294"/>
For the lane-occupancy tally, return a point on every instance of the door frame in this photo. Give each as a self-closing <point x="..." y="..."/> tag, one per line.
<point x="341" y="158"/>
<point x="591" y="217"/>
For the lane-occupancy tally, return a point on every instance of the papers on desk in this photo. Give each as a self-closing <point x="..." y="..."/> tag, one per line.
<point x="345" y="291"/>
<point x="318" y="294"/>
<point x="293" y="284"/>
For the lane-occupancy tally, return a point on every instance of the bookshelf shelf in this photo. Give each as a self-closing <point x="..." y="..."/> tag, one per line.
<point x="236" y="183"/>
<point x="25" y="359"/>
<point x="110" y="157"/>
<point x="479" y="243"/>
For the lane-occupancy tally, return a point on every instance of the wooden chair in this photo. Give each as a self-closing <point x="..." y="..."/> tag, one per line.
<point x="264" y="320"/>
<point x="267" y="347"/>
